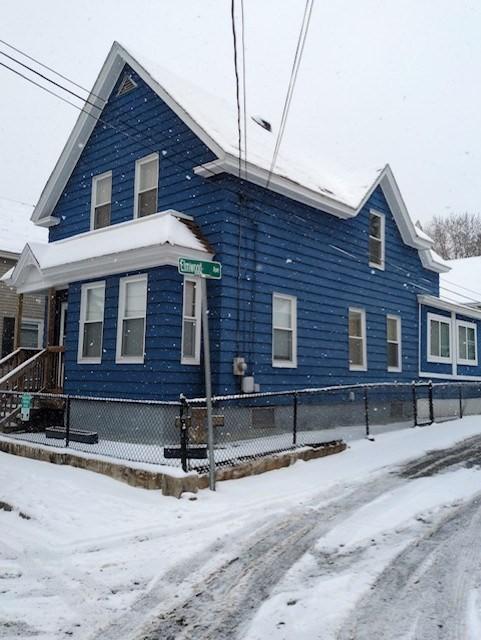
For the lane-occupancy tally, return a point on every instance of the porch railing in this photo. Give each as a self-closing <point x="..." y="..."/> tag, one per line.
<point x="40" y="372"/>
<point x="15" y="359"/>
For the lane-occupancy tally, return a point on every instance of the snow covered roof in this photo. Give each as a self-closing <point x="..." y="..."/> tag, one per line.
<point x="154" y="240"/>
<point x="300" y="176"/>
<point x="463" y="282"/>
<point x="16" y="229"/>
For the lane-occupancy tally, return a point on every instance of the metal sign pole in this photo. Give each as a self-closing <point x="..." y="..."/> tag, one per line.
<point x="208" y="386"/>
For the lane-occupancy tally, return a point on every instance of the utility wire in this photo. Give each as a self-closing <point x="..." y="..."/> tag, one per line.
<point x="44" y="77"/>
<point x="306" y="20"/>
<point x="27" y="204"/>
<point x="26" y="55"/>
<point x="237" y="82"/>
<point x="244" y="85"/>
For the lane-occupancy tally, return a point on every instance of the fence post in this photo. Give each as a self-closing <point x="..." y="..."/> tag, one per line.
<point x="460" y="391"/>
<point x="366" y="411"/>
<point x="67" y="421"/>
<point x="431" y="404"/>
<point x="415" y="406"/>
<point x="294" y="425"/>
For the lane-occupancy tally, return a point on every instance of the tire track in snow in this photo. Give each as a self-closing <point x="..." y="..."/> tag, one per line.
<point x="425" y="592"/>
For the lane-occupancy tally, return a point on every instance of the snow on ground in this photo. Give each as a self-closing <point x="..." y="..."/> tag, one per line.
<point x="80" y="549"/>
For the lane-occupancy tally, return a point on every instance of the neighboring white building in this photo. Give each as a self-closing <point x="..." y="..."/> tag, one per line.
<point x="16" y="229"/>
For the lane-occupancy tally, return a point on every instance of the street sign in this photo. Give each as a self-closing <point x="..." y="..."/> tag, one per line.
<point x="25" y="406"/>
<point x="205" y="268"/>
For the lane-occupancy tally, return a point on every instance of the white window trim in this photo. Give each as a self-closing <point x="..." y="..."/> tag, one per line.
<point x="83" y="308"/>
<point x="399" y="368"/>
<point x="93" y="202"/>
<point x="40" y="326"/>
<point x="286" y="364"/>
<point x="382" y="217"/>
<point x="119" y="358"/>
<point x="198" y="324"/>
<point x="358" y="367"/>
<point x="446" y="320"/>
<point x="138" y="164"/>
<point x="468" y="325"/>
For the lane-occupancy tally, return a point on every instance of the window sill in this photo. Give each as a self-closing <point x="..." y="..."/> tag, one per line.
<point x="355" y="367"/>
<point x="374" y="265"/>
<point x="190" y="361"/>
<point x="89" y="361"/>
<point x="129" y="360"/>
<point x="394" y="370"/>
<point x="467" y="363"/>
<point x="284" y="364"/>
<point x="439" y="360"/>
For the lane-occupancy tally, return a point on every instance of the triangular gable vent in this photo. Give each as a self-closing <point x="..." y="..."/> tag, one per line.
<point x="126" y="85"/>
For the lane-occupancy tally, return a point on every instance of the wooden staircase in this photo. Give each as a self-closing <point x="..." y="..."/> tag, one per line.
<point x="27" y="371"/>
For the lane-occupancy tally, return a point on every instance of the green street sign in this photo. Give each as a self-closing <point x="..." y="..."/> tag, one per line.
<point x="205" y="268"/>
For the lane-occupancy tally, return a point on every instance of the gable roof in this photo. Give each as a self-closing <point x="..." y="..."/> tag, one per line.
<point x="16" y="228"/>
<point x="211" y="119"/>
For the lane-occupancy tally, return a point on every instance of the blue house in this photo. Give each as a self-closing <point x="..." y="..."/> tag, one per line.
<point x="324" y="281"/>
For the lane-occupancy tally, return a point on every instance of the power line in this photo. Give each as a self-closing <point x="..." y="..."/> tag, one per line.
<point x="26" y="55"/>
<point x="27" y="204"/>
<point x="44" y="77"/>
<point x="236" y="72"/>
<point x="306" y="20"/>
<point x="244" y="85"/>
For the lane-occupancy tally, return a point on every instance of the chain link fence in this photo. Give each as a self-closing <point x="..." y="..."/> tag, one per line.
<point x="245" y="426"/>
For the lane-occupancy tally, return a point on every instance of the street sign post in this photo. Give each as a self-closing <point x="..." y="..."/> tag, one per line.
<point x="206" y="270"/>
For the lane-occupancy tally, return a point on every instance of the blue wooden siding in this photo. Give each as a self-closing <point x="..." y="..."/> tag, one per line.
<point x="280" y="246"/>
<point x="290" y="248"/>
<point x="161" y="376"/>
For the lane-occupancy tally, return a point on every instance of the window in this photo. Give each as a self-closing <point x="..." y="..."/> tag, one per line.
<point x="92" y="303"/>
<point x="101" y="200"/>
<point x="284" y="331"/>
<point x="393" y="335"/>
<point x="357" y="340"/>
<point x="191" y="322"/>
<point x="376" y="240"/>
<point x="31" y="334"/>
<point x="467" y="351"/>
<point x="131" y="319"/>
<point x="439" y="338"/>
<point x="146" y="185"/>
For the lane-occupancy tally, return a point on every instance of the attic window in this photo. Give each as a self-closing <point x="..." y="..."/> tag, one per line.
<point x="127" y="85"/>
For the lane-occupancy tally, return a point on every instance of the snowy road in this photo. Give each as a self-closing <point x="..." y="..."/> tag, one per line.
<point x="378" y="542"/>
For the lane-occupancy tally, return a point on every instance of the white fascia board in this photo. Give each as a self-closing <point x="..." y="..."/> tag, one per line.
<point x="229" y="164"/>
<point x="9" y="255"/>
<point x="87" y="120"/>
<point x="448" y="376"/>
<point x="438" y="303"/>
<point x="48" y="221"/>
<point x="133" y="260"/>
<point x="279" y="184"/>
<point x="428" y="261"/>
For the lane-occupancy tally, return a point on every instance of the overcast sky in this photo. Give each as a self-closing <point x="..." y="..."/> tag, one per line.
<point x="381" y="81"/>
